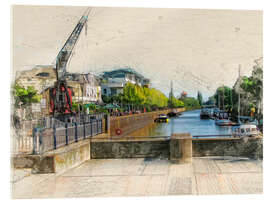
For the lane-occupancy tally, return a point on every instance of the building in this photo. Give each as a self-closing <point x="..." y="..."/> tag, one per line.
<point x="85" y="87"/>
<point x="114" y="81"/>
<point x="40" y="77"/>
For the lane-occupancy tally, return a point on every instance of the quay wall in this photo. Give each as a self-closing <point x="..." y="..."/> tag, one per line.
<point x="131" y="123"/>
<point x="245" y="147"/>
<point x="130" y="149"/>
<point x="161" y="148"/>
<point x="55" y="161"/>
<point x="70" y="156"/>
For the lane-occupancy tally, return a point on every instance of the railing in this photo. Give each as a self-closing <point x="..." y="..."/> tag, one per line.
<point x="47" y="139"/>
<point x="25" y="133"/>
<point x="22" y="143"/>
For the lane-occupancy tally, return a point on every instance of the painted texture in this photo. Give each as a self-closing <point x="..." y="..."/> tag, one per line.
<point x="247" y="147"/>
<point x="129" y="124"/>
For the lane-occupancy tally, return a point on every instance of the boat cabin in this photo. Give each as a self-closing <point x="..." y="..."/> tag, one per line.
<point x="246" y="130"/>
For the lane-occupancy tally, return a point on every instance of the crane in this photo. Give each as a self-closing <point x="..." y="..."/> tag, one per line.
<point x="61" y="94"/>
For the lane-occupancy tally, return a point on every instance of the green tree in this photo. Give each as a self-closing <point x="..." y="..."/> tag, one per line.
<point x="25" y="96"/>
<point x="224" y="97"/>
<point x="190" y="103"/>
<point x="139" y="97"/>
<point x="253" y="88"/>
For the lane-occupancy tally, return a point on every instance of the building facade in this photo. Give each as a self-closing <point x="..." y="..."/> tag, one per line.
<point x="85" y="87"/>
<point x="114" y="81"/>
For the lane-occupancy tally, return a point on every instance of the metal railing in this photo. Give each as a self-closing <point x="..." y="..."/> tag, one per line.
<point x="47" y="139"/>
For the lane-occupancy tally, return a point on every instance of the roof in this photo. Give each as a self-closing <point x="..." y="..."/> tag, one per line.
<point x="117" y="72"/>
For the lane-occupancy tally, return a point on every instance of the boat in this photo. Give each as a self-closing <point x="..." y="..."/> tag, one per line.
<point x="174" y="113"/>
<point x="247" y="120"/>
<point x="162" y="118"/>
<point x="215" y="113"/>
<point x="246" y="130"/>
<point x="223" y="122"/>
<point x="205" y="113"/>
<point x="222" y="119"/>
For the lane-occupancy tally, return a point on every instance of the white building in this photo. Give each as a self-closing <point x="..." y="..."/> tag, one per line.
<point x="114" y="81"/>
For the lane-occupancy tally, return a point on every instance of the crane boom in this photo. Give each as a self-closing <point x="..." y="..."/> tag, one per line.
<point x="66" y="51"/>
<point x="60" y="94"/>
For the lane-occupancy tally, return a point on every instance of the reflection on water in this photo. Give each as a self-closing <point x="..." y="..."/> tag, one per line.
<point x="188" y="122"/>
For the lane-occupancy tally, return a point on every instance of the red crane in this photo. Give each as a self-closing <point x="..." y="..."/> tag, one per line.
<point x="61" y="94"/>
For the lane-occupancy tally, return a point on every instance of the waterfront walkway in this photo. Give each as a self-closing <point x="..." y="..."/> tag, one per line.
<point x="144" y="177"/>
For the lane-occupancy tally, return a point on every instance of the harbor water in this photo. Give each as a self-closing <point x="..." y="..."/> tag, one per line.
<point x="188" y="122"/>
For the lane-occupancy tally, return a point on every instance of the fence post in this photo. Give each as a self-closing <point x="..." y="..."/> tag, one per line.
<point x="84" y="130"/>
<point x="107" y="124"/>
<point x="91" y="124"/>
<point x="101" y="127"/>
<point x="41" y="147"/>
<point x="54" y="137"/>
<point x="76" y="133"/>
<point x="35" y="141"/>
<point x="51" y="121"/>
<point x="66" y="126"/>
<point x="97" y="126"/>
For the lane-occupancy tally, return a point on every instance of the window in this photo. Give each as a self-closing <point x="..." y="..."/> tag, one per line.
<point x="43" y="74"/>
<point x="242" y="130"/>
<point x="113" y="92"/>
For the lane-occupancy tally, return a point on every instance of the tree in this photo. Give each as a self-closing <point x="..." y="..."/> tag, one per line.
<point x="224" y="97"/>
<point x="25" y="96"/>
<point x="190" y="103"/>
<point x="199" y="97"/>
<point x="253" y="88"/>
<point x="139" y="97"/>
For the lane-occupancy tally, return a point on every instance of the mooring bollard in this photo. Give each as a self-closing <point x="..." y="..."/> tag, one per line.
<point x="181" y="148"/>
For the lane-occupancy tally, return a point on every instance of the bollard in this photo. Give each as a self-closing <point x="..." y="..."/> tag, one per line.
<point x="181" y="148"/>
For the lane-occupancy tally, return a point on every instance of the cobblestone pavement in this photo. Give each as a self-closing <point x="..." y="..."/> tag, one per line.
<point x="144" y="177"/>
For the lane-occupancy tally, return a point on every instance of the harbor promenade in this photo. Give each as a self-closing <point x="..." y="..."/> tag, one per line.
<point x="144" y="177"/>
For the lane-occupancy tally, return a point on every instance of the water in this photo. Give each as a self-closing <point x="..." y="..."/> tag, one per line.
<point x="189" y="122"/>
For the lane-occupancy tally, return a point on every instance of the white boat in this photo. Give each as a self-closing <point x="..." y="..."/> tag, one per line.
<point x="223" y="122"/>
<point x="246" y="130"/>
<point x="223" y="119"/>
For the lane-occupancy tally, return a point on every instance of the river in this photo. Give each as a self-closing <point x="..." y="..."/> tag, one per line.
<point x="188" y="122"/>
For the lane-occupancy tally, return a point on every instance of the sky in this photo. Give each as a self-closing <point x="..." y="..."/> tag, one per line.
<point x="197" y="49"/>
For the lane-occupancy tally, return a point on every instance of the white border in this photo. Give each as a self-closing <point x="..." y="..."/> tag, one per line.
<point x="209" y="4"/>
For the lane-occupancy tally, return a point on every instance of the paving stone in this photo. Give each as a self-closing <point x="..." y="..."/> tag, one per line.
<point x="145" y="177"/>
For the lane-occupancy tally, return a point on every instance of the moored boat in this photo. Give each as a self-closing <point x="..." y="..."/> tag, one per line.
<point x="223" y="119"/>
<point x="223" y="122"/>
<point x="205" y="114"/>
<point x="162" y="118"/>
<point x="246" y="130"/>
